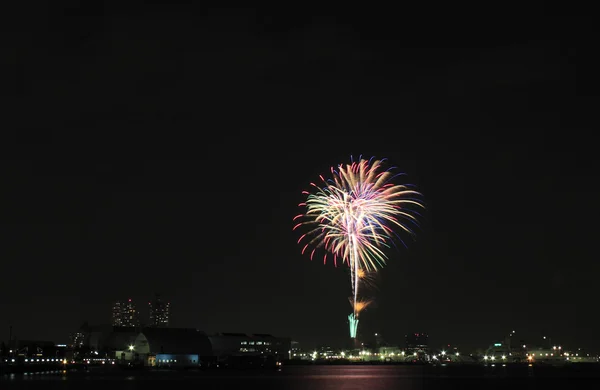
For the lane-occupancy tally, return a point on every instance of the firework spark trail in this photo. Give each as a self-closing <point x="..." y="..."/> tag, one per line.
<point x="367" y="279"/>
<point x="360" y="305"/>
<point x="353" y="214"/>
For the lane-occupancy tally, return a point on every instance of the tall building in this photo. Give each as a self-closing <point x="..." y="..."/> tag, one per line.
<point x="125" y="314"/>
<point x="159" y="312"/>
<point x="77" y="339"/>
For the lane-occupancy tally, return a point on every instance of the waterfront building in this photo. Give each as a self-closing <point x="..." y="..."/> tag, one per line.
<point x="416" y="342"/>
<point x="170" y="347"/>
<point x="236" y="344"/>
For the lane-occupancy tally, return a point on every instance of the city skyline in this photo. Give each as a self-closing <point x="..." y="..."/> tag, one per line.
<point x="165" y="149"/>
<point x="125" y="313"/>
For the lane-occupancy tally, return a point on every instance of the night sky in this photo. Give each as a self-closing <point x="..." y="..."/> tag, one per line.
<point x="164" y="148"/>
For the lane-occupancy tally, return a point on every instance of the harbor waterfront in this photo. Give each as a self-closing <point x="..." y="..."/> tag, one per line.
<point x="191" y="349"/>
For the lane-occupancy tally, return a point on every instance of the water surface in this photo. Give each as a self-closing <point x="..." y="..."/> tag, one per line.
<point x="313" y="378"/>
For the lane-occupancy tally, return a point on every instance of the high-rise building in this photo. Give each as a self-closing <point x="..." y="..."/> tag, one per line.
<point x="159" y="312"/>
<point x="125" y="314"/>
<point x="77" y="339"/>
<point x="117" y="314"/>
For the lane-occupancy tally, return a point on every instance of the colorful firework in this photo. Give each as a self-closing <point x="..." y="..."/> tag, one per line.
<point x="353" y="216"/>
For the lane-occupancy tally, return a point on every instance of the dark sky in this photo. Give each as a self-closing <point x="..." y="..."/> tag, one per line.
<point x="163" y="149"/>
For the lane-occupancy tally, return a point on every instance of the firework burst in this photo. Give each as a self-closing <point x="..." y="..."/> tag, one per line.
<point x="353" y="216"/>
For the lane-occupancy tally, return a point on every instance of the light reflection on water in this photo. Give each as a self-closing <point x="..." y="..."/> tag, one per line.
<point x="294" y="378"/>
<point x="313" y="377"/>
